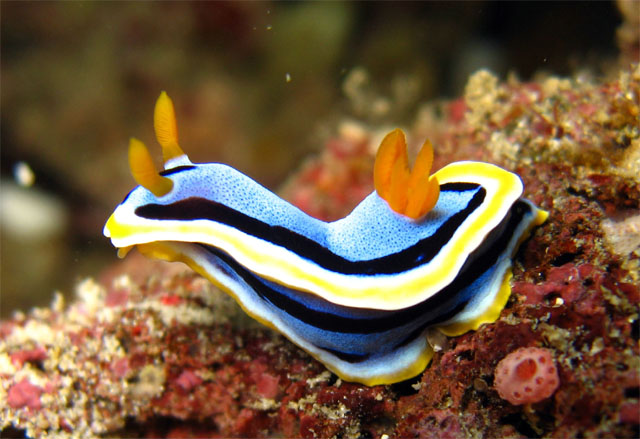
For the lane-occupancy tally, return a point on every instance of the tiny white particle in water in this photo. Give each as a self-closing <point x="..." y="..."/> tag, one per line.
<point x="287" y="77"/>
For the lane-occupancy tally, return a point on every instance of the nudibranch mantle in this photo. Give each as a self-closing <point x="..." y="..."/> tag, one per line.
<point x="357" y="293"/>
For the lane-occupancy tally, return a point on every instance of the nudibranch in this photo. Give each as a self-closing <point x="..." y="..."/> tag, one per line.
<point x="358" y="294"/>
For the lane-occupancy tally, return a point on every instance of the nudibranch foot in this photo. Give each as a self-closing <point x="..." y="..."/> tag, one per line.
<point x="358" y="294"/>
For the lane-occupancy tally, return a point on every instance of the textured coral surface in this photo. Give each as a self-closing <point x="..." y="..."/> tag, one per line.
<point x="154" y="350"/>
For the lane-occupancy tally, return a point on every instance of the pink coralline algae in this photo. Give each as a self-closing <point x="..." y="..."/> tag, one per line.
<point x="28" y="355"/>
<point x="526" y="375"/>
<point x="188" y="380"/>
<point x="24" y="394"/>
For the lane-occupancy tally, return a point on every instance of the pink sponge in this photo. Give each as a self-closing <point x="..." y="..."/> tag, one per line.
<point x="526" y="375"/>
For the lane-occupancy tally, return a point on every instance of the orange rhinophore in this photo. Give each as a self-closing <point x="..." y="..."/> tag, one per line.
<point x="144" y="171"/>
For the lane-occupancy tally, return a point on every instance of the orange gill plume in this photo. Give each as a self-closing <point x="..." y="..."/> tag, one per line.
<point x="410" y="192"/>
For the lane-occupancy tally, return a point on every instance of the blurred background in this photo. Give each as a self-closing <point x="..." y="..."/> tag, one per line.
<point x="257" y="85"/>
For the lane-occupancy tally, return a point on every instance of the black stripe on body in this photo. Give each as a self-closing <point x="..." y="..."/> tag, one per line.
<point x="175" y="170"/>
<point x="196" y="208"/>
<point x="346" y="356"/>
<point x="373" y="320"/>
<point x="447" y="301"/>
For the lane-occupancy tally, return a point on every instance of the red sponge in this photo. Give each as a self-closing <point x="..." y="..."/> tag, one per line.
<point x="526" y="375"/>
